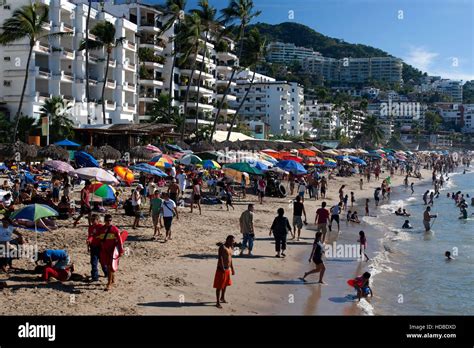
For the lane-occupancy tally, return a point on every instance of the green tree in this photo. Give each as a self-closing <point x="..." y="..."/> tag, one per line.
<point x="159" y="112"/>
<point x="433" y="122"/>
<point x="26" y="23"/>
<point x="372" y="132"/>
<point x="243" y="12"/>
<point x="175" y="9"/>
<point x="105" y="38"/>
<point x="26" y="126"/>
<point x="57" y="111"/>
<point x="255" y="46"/>
<point x="207" y="15"/>
<point x="5" y="128"/>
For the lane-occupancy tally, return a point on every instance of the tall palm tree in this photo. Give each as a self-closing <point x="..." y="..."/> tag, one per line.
<point x="105" y="38"/>
<point x="190" y="43"/>
<point x="254" y="51"/>
<point x="57" y="109"/>
<point x="371" y="131"/>
<point x="26" y="23"/>
<point x="174" y="8"/>
<point x="88" y="19"/>
<point x="346" y="117"/>
<point x="243" y="12"/>
<point x="207" y="15"/>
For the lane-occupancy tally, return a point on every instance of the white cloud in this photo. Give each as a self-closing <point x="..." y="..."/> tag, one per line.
<point x="452" y="74"/>
<point x="420" y="58"/>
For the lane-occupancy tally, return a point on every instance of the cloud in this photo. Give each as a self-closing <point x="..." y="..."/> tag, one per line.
<point x="453" y="75"/>
<point x="420" y="58"/>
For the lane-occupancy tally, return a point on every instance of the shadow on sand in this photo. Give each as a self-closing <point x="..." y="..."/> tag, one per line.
<point x="348" y="298"/>
<point x="175" y="304"/>
<point x="286" y="282"/>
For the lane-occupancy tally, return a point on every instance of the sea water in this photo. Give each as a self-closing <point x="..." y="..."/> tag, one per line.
<point x="411" y="275"/>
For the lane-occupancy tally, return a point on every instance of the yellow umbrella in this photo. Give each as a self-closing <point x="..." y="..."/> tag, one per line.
<point x="236" y="175"/>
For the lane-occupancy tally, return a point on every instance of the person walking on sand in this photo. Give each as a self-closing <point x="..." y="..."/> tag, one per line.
<point x="301" y="189"/>
<point x="168" y="210"/>
<point x="367" y="212"/>
<point x="280" y="228"/>
<point x="225" y="268"/>
<point x="363" y="245"/>
<point x="196" y="195"/>
<point x="427" y="218"/>
<point x="261" y="186"/>
<point x="335" y="211"/>
<point x="247" y="229"/>
<point x="93" y="246"/>
<point x="137" y="204"/>
<point x="321" y="220"/>
<point x="317" y="257"/>
<point x="85" y="203"/>
<point x="298" y="211"/>
<point x="173" y="191"/>
<point x="361" y="184"/>
<point x="110" y="239"/>
<point x="155" y="210"/>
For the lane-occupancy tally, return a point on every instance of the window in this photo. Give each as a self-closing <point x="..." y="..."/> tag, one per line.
<point x="7" y="83"/>
<point x="6" y="59"/>
<point x="6" y="7"/>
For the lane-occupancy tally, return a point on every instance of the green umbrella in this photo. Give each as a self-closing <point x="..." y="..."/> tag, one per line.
<point x="34" y="212"/>
<point x="244" y="167"/>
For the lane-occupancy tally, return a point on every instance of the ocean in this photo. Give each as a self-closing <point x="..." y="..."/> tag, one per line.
<point x="410" y="274"/>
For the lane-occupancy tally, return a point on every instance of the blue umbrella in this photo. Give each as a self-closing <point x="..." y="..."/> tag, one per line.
<point x="330" y="164"/>
<point x="67" y="142"/>
<point x="3" y="166"/>
<point x="83" y="159"/>
<point x="390" y="158"/>
<point x="146" y="168"/>
<point x="291" y="166"/>
<point x="174" y="147"/>
<point x="29" y="178"/>
<point x="342" y="158"/>
<point x="156" y="158"/>
<point x="374" y="155"/>
<point x="358" y="161"/>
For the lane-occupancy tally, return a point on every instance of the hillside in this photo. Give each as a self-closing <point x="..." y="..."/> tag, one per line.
<point x="302" y="35"/>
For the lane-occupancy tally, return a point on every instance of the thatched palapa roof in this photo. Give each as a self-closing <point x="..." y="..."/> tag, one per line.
<point x="54" y="152"/>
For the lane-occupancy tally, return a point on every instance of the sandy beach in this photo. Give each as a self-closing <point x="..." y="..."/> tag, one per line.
<point x="175" y="278"/>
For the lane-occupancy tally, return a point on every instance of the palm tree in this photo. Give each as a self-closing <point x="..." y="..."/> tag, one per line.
<point x="159" y="112"/>
<point x="190" y="43"/>
<point x="346" y="117"/>
<point x="57" y="109"/>
<point x="243" y="12"/>
<point x="88" y="18"/>
<point x="105" y="38"/>
<point x="26" y="23"/>
<point x="207" y="15"/>
<point x="254" y="51"/>
<point x="371" y="131"/>
<point x="174" y="8"/>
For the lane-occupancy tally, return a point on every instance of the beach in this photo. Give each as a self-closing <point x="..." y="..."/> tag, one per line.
<point x="175" y="278"/>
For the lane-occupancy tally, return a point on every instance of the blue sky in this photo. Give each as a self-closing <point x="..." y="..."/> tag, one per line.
<point x="436" y="36"/>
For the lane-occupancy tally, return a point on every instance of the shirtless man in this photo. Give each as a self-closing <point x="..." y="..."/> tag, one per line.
<point x="173" y="191"/>
<point x="427" y="219"/>
<point x="224" y="270"/>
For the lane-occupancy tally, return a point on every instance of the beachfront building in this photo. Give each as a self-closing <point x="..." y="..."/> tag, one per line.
<point x="468" y="110"/>
<point x="276" y="103"/>
<point x="451" y="88"/>
<point x="400" y="115"/>
<point x="323" y="117"/>
<point x="363" y="70"/>
<point x="57" y="67"/>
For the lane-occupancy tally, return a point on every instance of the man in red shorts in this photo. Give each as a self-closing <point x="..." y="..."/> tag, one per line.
<point x="224" y="270"/>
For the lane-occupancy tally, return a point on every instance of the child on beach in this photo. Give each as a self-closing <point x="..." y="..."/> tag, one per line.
<point x="448" y="256"/>
<point x="352" y="199"/>
<point x="317" y="257"/>
<point x="361" y="284"/>
<point x="363" y="244"/>
<point x="367" y="207"/>
<point x="412" y="189"/>
<point x="348" y="216"/>
<point x="355" y="218"/>
<point x="345" y="200"/>
<point x="361" y="184"/>
<point x="407" y="225"/>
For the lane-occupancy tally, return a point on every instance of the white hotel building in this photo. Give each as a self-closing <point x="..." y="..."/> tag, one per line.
<point x="57" y="67"/>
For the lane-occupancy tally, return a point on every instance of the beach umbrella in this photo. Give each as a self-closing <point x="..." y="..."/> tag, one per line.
<point x="59" y="166"/>
<point x="102" y="190"/>
<point x="342" y="158"/>
<point x="292" y="158"/>
<point x="307" y="152"/>
<point x="210" y="164"/>
<point x="175" y="148"/>
<point x="268" y="158"/>
<point x="34" y="212"/>
<point x="292" y="166"/>
<point x="3" y="166"/>
<point x="152" y="148"/>
<point x="391" y="158"/>
<point x="374" y="155"/>
<point x="163" y="163"/>
<point x="189" y="160"/>
<point x="149" y="169"/>
<point x="83" y="159"/>
<point x="278" y="171"/>
<point x="315" y="160"/>
<point x="236" y="175"/>
<point x="361" y="152"/>
<point x="124" y="173"/>
<point x="330" y="164"/>
<point x="244" y="167"/>
<point x="96" y="174"/>
<point x="357" y="160"/>
<point x="331" y="152"/>
<point x="380" y="151"/>
<point x="67" y="142"/>
<point x="327" y="159"/>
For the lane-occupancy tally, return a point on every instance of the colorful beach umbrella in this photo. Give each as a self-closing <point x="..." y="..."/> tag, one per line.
<point x="152" y="148"/>
<point x="244" y="167"/>
<point x="124" y="174"/>
<point x="103" y="191"/>
<point x="34" y="212"/>
<point x="149" y="169"/>
<point x="189" y="160"/>
<point x="210" y="164"/>
<point x="59" y="166"/>
<point x="307" y="152"/>
<point x="96" y="174"/>
<point x="292" y="166"/>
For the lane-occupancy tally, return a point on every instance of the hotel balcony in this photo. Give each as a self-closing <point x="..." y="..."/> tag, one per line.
<point x="66" y="28"/>
<point x="202" y="90"/>
<point x="153" y="65"/>
<point x="112" y="63"/>
<point x="42" y="96"/>
<point x="130" y="87"/>
<point x="151" y="82"/>
<point x="110" y="105"/>
<point x="42" y="48"/>
<point x="224" y="81"/>
<point x="204" y="75"/>
<point x="68" y="54"/>
<point x="130" y="46"/>
<point x="42" y="73"/>
<point x="47" y="26"/>
<point x="149" y="26"/>
<point x="155" y="45"/>
<point x="228" y="97"/>
<point x="93" y="58"/>
<point x="147" y="97"/>
<point x="64" y="76"/>
<point x="130" y="67"/>
<point x="129" y="107"/>
<point x="226" y="56"/>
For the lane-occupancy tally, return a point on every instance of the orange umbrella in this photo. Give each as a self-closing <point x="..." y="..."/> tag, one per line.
<point x="124" y="173"/>
<point x="292" y="158"/>
<point x="307" y="152"/>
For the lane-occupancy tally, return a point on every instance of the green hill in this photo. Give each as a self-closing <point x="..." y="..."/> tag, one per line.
<point x="304" y="36"/>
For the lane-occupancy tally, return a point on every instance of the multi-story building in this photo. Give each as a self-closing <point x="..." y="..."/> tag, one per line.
<point x="57" y="67"/>
<point x="468" y="110"/>
<point x="323" y="117"/>
<point x="326" y="68"/>
<point x="279" y="104"/>
<point x="451" y="88"/>
<point x="399" y="115"/>
<point x="287" y="53"/>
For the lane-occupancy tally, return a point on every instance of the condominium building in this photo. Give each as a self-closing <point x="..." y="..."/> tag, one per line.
<point x="278" y="104"/>
<point x="323" y="117"/>
<point x="287" y="53"/>
<point x="451" y="88"/>
<point x="468" y="110"/>
<point x="348" y="71"/>
<point x="399" y="114"/>
<point x="58" y="67"/>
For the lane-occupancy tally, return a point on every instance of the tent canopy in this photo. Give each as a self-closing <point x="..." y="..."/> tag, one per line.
<point x="67" y="142"/>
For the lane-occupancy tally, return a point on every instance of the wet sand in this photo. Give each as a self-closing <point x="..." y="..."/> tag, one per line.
<point x="175" y="278"/>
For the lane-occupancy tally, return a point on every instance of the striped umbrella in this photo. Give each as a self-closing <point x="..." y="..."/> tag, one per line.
<point x="210" y="164"/>
<point x="103" y="191"/>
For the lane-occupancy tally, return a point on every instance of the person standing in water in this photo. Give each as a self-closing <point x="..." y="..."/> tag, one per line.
<point x="427" y="219"/>
<point x="317" y="257"/>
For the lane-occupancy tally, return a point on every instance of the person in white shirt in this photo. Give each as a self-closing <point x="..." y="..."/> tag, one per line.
<point x="301" y="189"/>
<point x="168" y="209"/>
<point x="136" y="204"/>
<point x="6" y="240"/>
<point x="173" y="172"/>
<point x="181" y="181"/>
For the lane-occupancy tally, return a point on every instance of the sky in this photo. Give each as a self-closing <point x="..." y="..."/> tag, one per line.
<point x="435" y="36"/>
